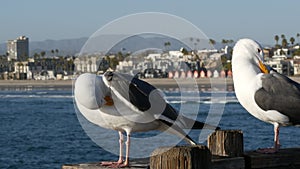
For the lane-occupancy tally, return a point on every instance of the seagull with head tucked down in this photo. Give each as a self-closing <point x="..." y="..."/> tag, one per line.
<point x="127" y="104"/>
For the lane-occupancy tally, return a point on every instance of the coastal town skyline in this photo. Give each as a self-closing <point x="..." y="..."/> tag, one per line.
<point x="284" y="57"/>
<point x="218" y="20"/>
<point x="198" y="24"/>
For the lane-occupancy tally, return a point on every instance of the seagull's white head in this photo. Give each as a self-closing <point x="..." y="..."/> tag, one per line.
<point x="91" y="92"/>
<point x="250" y="52"/>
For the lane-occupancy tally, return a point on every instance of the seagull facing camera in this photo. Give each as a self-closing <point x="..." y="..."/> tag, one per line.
<point x="264" y="93"/>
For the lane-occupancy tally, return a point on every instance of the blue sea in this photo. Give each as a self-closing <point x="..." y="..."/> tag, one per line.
<point x="39" y="127"/>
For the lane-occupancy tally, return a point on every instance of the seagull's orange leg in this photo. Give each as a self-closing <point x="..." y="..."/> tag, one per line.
<point x="120" y="161"/>
<point x="276" y="137"/>
<point x="126" y="162"/>
<point x="276" y="142"/>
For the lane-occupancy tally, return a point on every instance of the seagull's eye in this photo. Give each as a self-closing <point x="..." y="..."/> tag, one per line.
<point x="258" y="50"/>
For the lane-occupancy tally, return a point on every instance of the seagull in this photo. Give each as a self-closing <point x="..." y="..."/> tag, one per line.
<point x="264" y="93"/>
<point x="127" y="104"/>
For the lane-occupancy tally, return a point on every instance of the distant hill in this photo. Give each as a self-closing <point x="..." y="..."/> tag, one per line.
<point x="65" y="47"/>
<point x="73" y="46"/>
<point x="147" y="41"/>
<point x="130" y="44"/>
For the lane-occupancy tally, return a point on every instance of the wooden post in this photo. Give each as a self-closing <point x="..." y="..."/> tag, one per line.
<point x="284" y="158"/>
<point x="181" y="157"/>
<point x="228" y="143"/>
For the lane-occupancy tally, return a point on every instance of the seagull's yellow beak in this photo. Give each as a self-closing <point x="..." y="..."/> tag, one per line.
<point x="263" y="68"/>
<point x="109" y="101"/>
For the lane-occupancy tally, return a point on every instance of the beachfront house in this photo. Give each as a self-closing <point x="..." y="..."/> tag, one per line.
<point x="86" y="64"/>
<point x="21" y="70"/>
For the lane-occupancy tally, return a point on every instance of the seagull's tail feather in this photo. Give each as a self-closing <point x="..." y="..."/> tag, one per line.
<point x="175" y="129"/>
<point x="194" y="124"/>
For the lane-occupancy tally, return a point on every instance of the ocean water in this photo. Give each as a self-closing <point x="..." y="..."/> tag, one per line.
<point x="39" y="127"/>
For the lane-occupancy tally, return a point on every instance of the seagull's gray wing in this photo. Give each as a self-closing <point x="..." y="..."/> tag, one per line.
<point x="141" y="94"/>
<point x="280" y="93"/>
<point x="149" y="99"/>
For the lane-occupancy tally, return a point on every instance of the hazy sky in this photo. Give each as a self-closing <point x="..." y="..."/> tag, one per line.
<point x="223" y="19"/>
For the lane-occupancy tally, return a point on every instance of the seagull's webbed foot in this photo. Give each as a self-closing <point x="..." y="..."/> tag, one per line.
<point x="118" y="164"/>
<point x="111" y="163"/>
<point x="277" y="145"/>
<point x="269" y="150"/>
<point x="121" y="165"/>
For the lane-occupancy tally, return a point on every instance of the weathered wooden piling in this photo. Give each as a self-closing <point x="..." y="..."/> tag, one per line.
<point x="181" y="157"/>
<point x="228" y="143"/>
<point x="227" y="148"/>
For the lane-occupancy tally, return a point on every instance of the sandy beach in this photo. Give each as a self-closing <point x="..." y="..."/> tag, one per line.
<point x="156" y="82"/>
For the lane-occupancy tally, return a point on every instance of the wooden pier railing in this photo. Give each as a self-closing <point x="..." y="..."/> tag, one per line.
<point x="225" y="150"/>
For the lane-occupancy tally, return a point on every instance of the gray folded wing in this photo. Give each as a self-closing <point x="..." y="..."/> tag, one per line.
<point x="280" y="93"/>
<point x="149" y="99"/>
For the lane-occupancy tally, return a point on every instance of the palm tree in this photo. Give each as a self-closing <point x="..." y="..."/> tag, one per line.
<point x="52" y="51"/>
<point x="43" y="64"/>
<point x="276" y="39"/>
<point x="167" y="45"/>
<point x="282" y="36"/>
<point x="56" y="51"/>
<point x="197" y="42"/>
<point x="292" y="40"/>
<point x="43" y="53"/>
<point x="282" y="52"/>
<point x="298" y="35"/>
<point x="224" y="41"/>
<point x="284" y="43"/>
<point x="192" y="40"/>
<point x="36" y="56"/>
<point x="212" y="42"/>
<point x="70" y="66"/>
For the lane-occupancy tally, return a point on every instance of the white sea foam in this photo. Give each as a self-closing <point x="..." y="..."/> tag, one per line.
<point x="36" y="96"/>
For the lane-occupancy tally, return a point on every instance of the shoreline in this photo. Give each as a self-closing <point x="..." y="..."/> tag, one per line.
<point x="165" y="82"/>
<point x="155" y="82"/>
<point x="36" y="83"/>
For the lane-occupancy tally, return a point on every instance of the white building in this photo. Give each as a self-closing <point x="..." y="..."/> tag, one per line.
<point x="153" y="57"/>
<point x="22" y="70"/>
<point x="18" y="49"/>
<point x="86" y="64"/>
<point x="125" y="66"/>
<point x="171" y="61"/>
<point x="297" y="67"/>
<point x="284" y="51"/>
<point x="275" y="62"/>
<point x="175" y="54"/>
